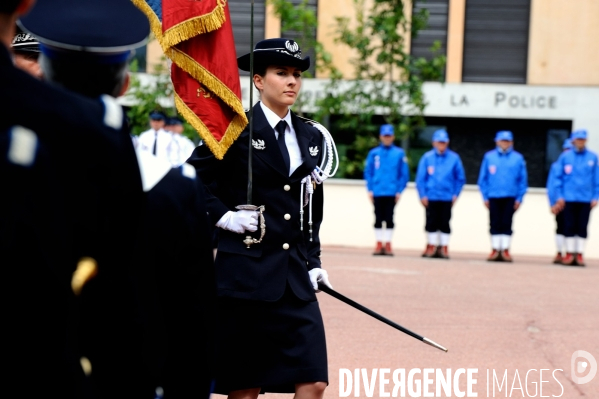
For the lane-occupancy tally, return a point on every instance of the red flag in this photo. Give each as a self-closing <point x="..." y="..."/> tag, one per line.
<point x="198" y="37"/>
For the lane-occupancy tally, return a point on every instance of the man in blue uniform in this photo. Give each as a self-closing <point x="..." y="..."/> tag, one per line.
<point x="503" y="181"/>
<point x="386" y="174"/>
<point x="559" y="215"/>
<point x="439" y="181"/>
<point x="576" y="185"/>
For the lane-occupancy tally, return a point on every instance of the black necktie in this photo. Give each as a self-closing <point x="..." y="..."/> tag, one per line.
<point x="155" y="141"/>
<point x="282" y="146"/>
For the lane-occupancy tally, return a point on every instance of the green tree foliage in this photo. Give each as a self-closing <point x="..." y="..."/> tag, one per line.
<point x="387" y="82"/>
<point x="155" y="92"/>
<point x="301" y="20"/>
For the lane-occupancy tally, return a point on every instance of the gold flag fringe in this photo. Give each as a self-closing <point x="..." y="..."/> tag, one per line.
<point x="155" y="24"/>
<point x="211" y="82"/>
<point x="194" y="26"/>
<point x="217" y="148"/>
<point x="184" y="31"/>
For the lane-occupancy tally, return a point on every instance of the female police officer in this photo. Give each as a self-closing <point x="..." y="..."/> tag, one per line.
<point x="271" y="330"/>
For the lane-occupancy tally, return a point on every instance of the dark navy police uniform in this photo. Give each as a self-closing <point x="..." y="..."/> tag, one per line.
<point x="49" y="219"/>
<point x="268" y="310"/>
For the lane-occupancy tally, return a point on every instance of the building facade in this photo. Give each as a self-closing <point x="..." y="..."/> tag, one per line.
<point x="529" y="66"/>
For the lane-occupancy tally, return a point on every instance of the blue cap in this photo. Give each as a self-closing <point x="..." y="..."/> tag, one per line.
<point x="175" y="120"/>
<point x="504" y="135"/>
<point x="104" y="31"/>
<point x="157" y="116"/>
<point x="386" y="130"/>
<point x="567" y="144"/>
<point x="441" y="136"/>
<point x="579" y="134"/>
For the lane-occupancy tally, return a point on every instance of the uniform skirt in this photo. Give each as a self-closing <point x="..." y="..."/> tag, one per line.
<point x="269" y="345"/>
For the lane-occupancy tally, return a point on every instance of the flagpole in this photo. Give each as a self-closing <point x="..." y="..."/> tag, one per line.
<point x="251" y="112"/>
<point x="249" y="240"/>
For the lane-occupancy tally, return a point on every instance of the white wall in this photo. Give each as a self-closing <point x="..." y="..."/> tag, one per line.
<point x="485" y="100"/>
<point x="349" y="220"/>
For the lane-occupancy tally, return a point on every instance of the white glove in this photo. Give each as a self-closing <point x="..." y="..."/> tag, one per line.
<point x="319" y="275"/>
<point x="239" y="221"/>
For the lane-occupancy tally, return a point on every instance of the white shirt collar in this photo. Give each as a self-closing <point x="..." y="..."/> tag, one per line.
<point x="273" y="119"/>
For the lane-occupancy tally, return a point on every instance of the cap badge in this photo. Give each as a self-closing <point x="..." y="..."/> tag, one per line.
<point x="293" y="48"/>
<point x="313" y="151"/>
<point x="22" y="38"/>
<point x="258" y="144"/>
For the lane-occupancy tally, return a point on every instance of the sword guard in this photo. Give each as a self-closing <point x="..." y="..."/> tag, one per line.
<point x="249" y="240"/>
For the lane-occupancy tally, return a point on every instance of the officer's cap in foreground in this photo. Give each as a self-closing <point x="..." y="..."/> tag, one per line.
<point x="104" y="30"/>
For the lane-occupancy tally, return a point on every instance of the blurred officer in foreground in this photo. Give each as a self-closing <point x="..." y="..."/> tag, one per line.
<point x="439" y="180"/>
<point x="50" y="218"/>
<point x="143" y="323"/>
<point x="559" y="215"/>
<point x="502" y="181"/>
<point x="386" y="174"/>
<point x="576" y="186"/>
<point x="26" y="50"/>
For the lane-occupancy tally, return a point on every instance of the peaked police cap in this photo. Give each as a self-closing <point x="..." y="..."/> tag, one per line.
<point x="279" y="51"/>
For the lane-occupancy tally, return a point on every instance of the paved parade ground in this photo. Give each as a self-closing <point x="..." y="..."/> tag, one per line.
<point x="520" y="323"/>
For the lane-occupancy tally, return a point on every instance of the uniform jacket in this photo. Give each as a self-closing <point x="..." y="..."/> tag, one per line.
<point x="177" y="288"/>
<point x="440" y="177"/>
<point x="386" y="171"/>
<point x="74" y="192"/>
<point x="503" y="174"/>
<point x="262" y="271"/>
<point x="551" y="188"/>
<point x="577" y="176"/>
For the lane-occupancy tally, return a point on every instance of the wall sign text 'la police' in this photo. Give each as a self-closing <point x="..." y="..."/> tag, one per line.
<point x="502" y="99"/>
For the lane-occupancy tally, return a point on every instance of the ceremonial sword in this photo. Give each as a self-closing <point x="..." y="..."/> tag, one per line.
<point x="377" y="316"/>
<point x="249" y="240"/>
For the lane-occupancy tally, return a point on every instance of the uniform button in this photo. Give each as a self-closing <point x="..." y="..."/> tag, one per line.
<point x="287" y="216"/>
<point x="286" y="187"/>
<point x="285" y="246"/>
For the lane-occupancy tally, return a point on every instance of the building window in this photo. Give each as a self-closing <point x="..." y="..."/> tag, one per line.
<point x="496" y="41"/>
<point x="240" y="11"/>
<point x="313" y="5"/>
<point x="436" y="29"/>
